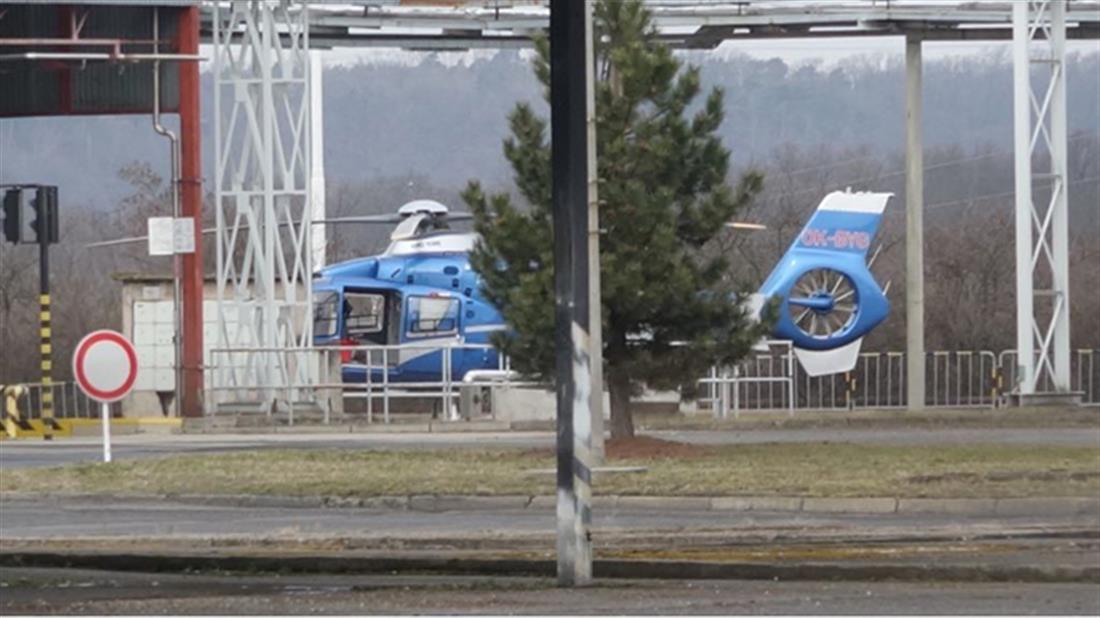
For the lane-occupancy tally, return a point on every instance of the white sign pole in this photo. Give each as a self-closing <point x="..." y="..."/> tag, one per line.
<point x="105" y="420"/>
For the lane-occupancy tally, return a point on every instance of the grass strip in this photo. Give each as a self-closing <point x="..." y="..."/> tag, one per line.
<point x="933" y="418"/>
<point x="815" y="469"/>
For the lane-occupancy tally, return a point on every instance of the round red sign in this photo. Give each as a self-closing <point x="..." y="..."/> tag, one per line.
<point x="105" y="366"/>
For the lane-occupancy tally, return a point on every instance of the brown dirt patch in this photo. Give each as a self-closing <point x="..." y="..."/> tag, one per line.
<point x="645" y="447"/>
<point x="1005" y="476"/>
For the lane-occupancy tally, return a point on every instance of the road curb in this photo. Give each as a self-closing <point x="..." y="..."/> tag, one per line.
<point x="1000" y="507"/>
<point x="204" y="426"/>
<point x="605" y="568"/>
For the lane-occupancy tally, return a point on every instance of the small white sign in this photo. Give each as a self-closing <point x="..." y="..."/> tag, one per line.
<point x="161" y="236"/>
<point x="171" y="236"/>
<point x="184" y="231"/>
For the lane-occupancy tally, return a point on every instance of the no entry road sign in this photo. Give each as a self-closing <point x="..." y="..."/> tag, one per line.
<point x="105" y="366"/>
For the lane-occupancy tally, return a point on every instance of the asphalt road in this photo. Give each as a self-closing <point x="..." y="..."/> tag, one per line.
<point x="24" y="454"/>
<point x="42" y="591"/>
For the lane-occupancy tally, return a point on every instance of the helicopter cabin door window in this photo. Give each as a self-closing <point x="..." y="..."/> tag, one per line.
<point x="325" y="314"/>
<point x="364" y="314"/>
<point x="432" y="316"/>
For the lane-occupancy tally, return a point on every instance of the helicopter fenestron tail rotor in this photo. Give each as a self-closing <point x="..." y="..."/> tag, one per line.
<point x="823" y="303"/>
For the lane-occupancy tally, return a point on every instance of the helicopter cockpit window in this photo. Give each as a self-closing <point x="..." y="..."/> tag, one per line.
<point x="364" y="314"/>
<point x="324" y="313"/>
<point x="430" y="315"/>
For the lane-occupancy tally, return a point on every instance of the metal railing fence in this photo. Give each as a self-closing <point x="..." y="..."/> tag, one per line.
<point x="68" y="401"/>
<point x="955" y="379"/>
<point x="764" y="381"/>
<point x="1084" y="373"/>
<point x="962" y="379"/>
<point x="246" y="388"/>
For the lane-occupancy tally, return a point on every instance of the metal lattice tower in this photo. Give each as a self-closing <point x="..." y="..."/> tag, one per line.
<point x="263" y="167"/>
<point x="1042" y="228"/>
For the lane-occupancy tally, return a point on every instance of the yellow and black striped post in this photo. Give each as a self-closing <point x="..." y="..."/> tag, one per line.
<point x="46" y="205"/>
<point x="46" y="350"/>
<point x="998" y="385"/>
<point x="9" y="401"/>
<point x="849" y="390"/>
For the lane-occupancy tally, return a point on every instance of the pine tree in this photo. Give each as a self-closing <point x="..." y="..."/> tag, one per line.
<point x="668" y="311"/>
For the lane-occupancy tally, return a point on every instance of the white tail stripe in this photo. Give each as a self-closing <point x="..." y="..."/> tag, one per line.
<point x="840" y="201"/>
<point x="826" y="362"/>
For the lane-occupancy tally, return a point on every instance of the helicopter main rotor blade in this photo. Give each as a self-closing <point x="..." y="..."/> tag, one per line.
<point x="367" y="219"/>
<point x="745" y="225"/>
<point x="360" y="219"/>
<point x="131" y="240"/>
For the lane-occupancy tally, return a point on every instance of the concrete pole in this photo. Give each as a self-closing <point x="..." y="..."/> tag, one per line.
<point x="318" y="238"/>
<point x="1021" y="69"/>
<point x="569" y="151"/>
<point x="914" y="225"/>
<point x="595" y="314"/>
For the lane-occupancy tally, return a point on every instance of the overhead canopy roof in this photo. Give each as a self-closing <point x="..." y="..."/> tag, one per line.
<point x="36" y="36"/>
<point x="442" y="24"/>
<point x="85" y="58"/>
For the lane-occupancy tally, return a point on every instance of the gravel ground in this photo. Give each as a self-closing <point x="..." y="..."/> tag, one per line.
<point x="46" y="591"/>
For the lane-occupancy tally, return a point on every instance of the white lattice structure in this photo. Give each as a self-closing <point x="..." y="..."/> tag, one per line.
<point x="261" y="106"/>
<point x="1042" y="227"/>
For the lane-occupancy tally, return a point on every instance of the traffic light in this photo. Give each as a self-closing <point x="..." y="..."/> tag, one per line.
<point x="13" y="215"/>
<point x="45" y="224"/>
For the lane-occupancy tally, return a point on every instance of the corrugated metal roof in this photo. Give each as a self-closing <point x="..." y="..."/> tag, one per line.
<point x="34" y="88"/>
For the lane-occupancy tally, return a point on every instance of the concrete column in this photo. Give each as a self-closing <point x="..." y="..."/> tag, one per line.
<point x="595" y="304"/>
<point x="914" y="225"/>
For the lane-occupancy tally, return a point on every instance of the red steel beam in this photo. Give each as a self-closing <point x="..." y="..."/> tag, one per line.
<point x="191" y="206"/>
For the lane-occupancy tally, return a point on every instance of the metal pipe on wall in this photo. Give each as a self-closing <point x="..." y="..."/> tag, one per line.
<point x="173" y="140"/>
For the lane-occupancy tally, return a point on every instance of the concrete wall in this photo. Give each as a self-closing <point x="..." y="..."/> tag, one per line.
<point x="147" y="322"/>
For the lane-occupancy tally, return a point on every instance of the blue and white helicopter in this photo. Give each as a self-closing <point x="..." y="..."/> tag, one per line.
<point x="421" y="294"/>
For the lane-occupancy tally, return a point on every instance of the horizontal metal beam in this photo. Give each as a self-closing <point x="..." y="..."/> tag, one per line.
<point x="681" y="24"/>
<point x="100" y="57"/>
